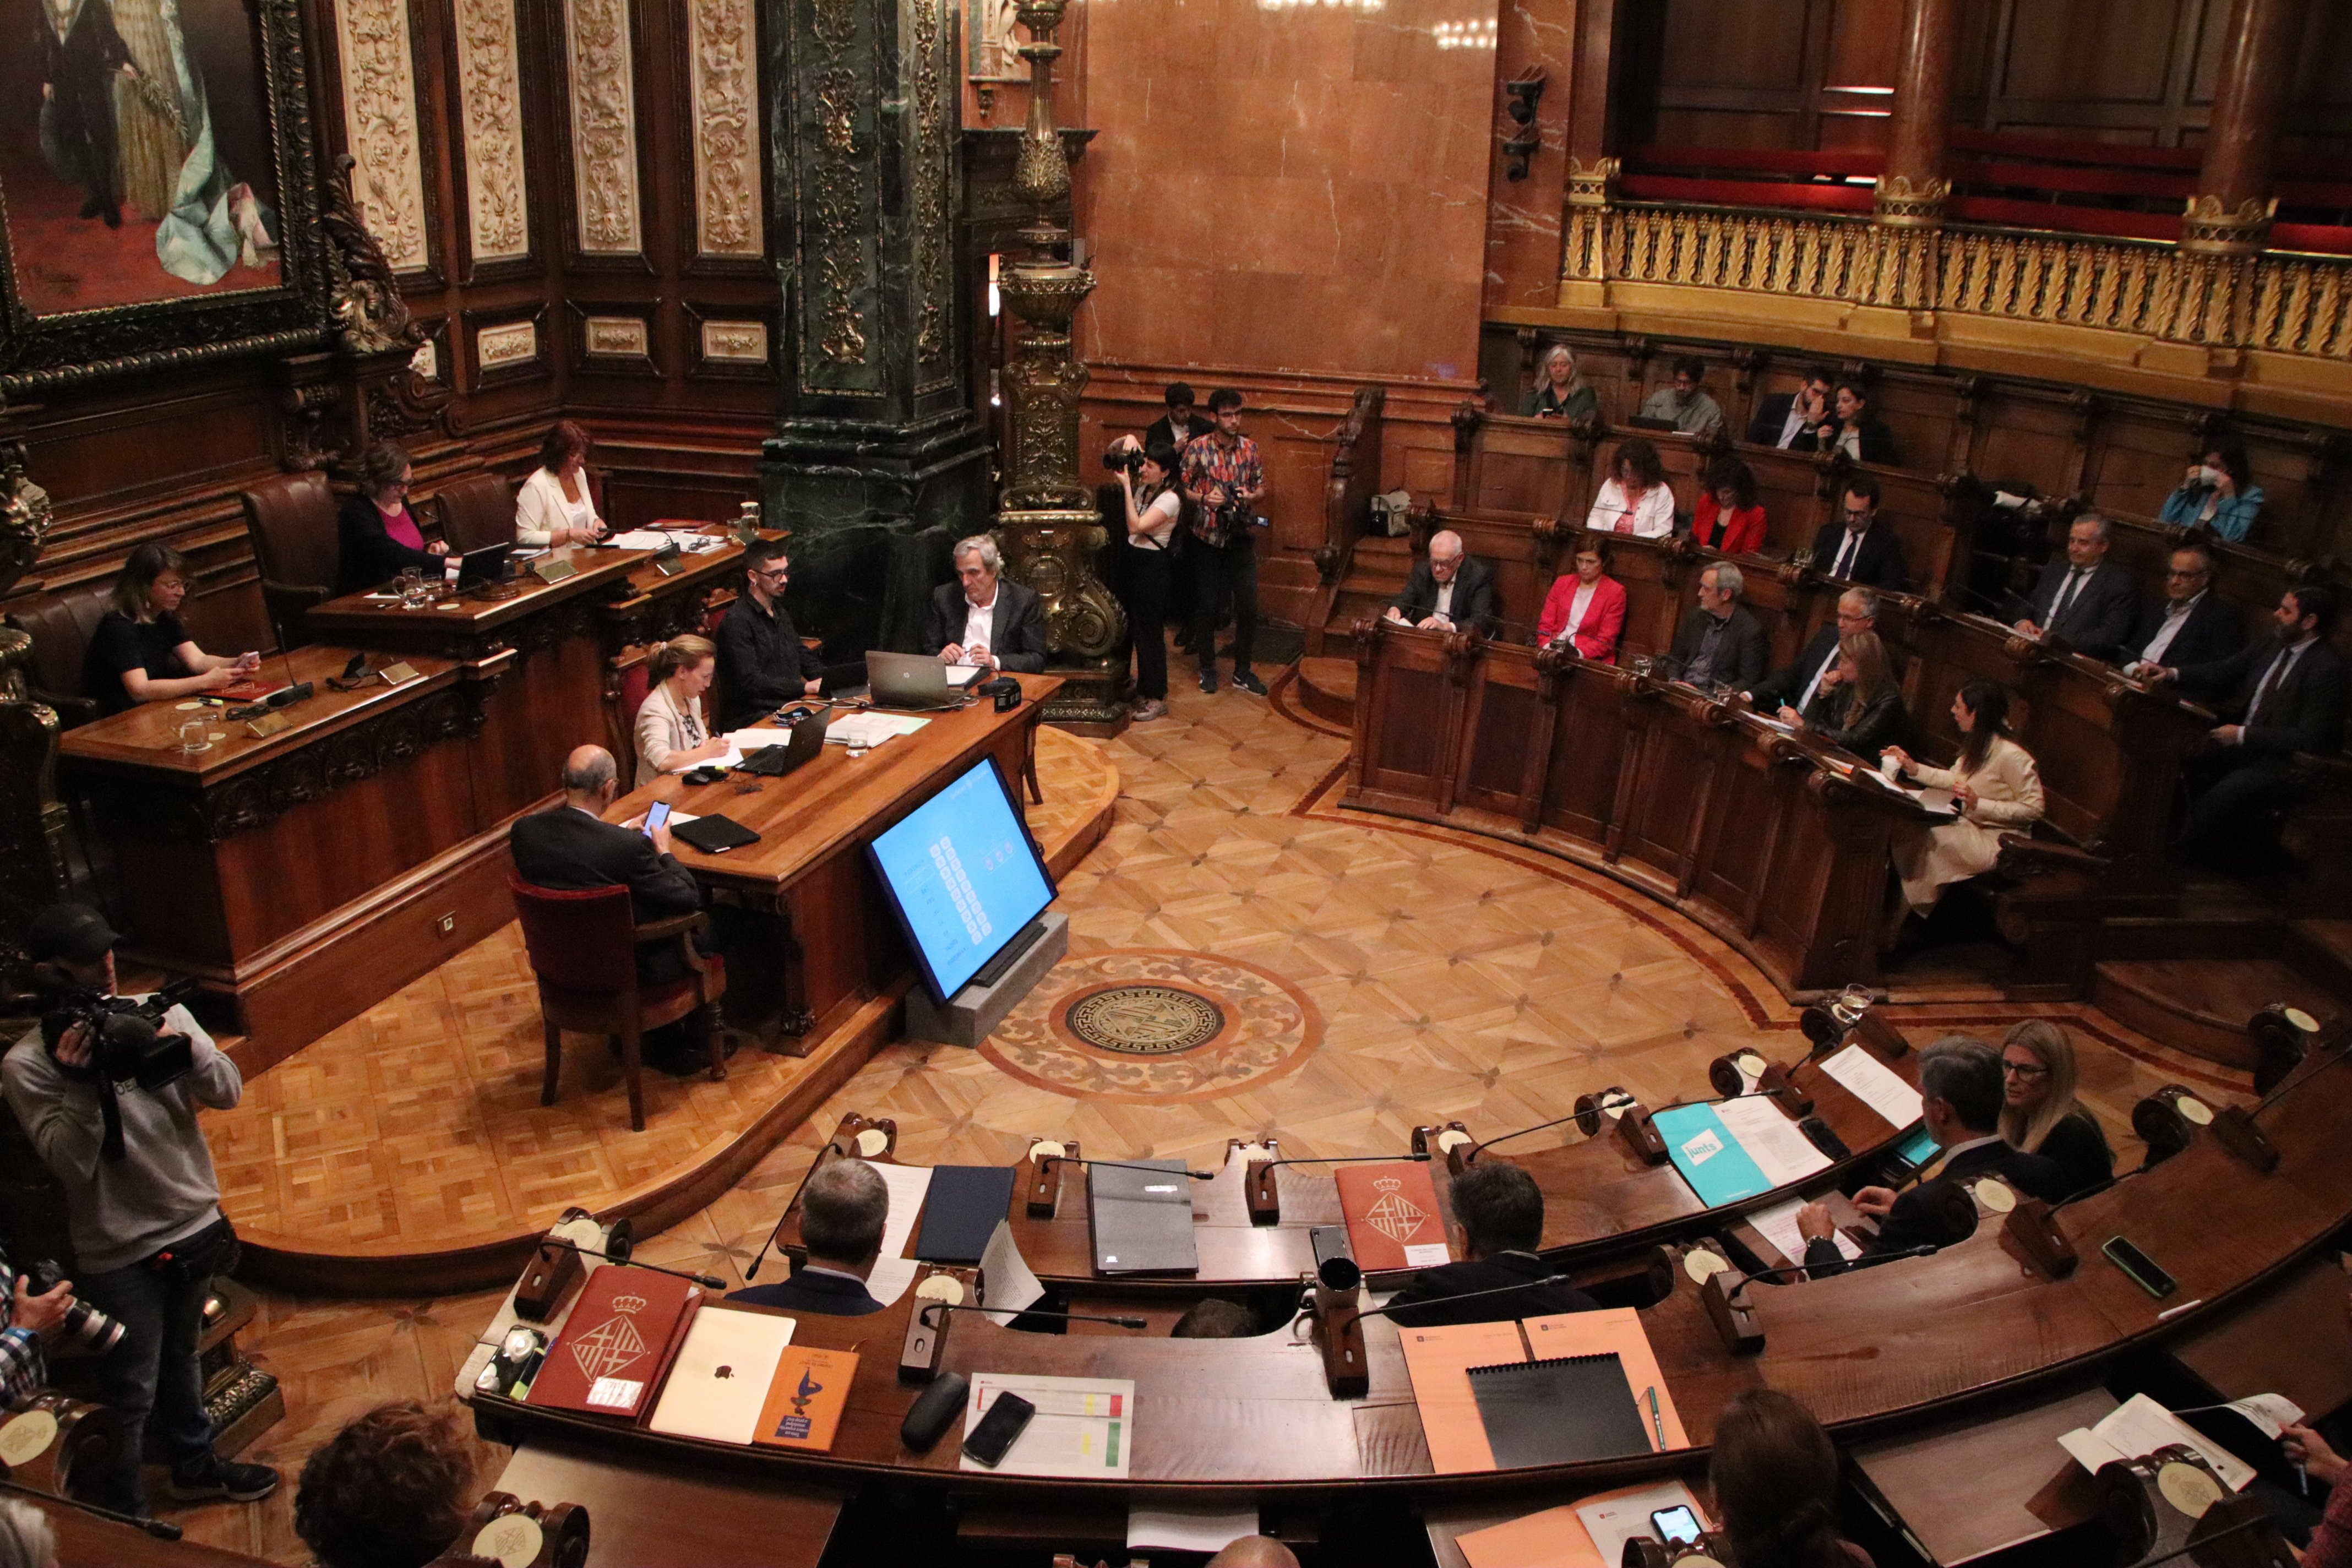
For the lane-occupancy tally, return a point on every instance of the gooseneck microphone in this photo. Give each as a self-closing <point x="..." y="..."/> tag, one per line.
<point x="929" y="1306"/>
<point x="1471" y="1157"/>
<point x="1129" y="1166"/>
<point x="1867" y="1260"/>
<point x="1465" y="1296"/>
<point x="161" y="1529"/>
<point x="707" y="1281"/>
<point x="1420" y="1158"/>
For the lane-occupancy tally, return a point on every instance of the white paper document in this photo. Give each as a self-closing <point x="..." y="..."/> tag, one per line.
<point x="641" y="539"/>
<point x="1777" y="1225"/>
<point x="1007" y="1286"/>
<point x="1783" y="1152"/>
<point x="964" y="675"/>
<point x="1875" y="1084"/>
<point x="870" y="729"/>
<point x="2140" y="1426"/>
<point x="2271" y="1414"/>
<point x="1210" y="1530"/>
<point x="742" y="743"/>
<point x="1083" y="1425"/>
<point x="720" y="1378"/>
<point x="894" y="1271"/>
<point x="1618" y="1519"/>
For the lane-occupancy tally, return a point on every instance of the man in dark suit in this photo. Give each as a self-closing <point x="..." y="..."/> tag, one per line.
<point x="1960" y="1094"/>
<point x="1815" y="670"/>
<point x="80" y="53"/>
<point x="1779" y="421"/>
<point x="982" y="619"/>
<point x="2191" y="625"/>
<point x="844" y="1207"/>
<point x="1501" y="1211"/>
<point x="2085" y="600"/>
<point x="1448" y="589"/>
<point x="1855" y="550"/>
<point x="1719" y="642"/>
<point x="574" y="847"/>
<point x="2288" y="692"/>
<point x="1181" y="424"/>
<point x="762" y="664"/>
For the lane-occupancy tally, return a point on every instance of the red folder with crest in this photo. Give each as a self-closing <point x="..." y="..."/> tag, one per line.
<point x="1394" y="1220"/>
<point x="618" y="1343"/>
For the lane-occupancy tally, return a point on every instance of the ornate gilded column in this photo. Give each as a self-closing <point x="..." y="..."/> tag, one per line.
<point x="1912" y="192"/>
<point x="1048" y="527"/>
<point x="877" y="463"/>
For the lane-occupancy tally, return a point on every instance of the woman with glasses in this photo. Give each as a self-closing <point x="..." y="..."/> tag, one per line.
<point x="2039" y="1112"/>
<point x="140" y="652"/>
<point x="378" y="536"/>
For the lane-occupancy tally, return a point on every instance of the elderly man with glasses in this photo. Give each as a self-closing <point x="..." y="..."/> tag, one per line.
<point x="762" y="664"/>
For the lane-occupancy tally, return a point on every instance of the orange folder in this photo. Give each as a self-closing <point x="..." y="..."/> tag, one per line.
<point x="1555" y="1538"/>
<point x="1618" y="1330"/>
<point x="1438" y="1361"/>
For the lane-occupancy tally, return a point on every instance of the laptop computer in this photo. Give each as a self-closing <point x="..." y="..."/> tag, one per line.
<point x="916" y="681"/>
<point x="1140" y="1221"/>
<point x="484" y="565"/>
<point x="807" y="742"/>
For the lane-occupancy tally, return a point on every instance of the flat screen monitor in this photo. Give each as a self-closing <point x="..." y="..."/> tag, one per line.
<point x="963" y="875"/>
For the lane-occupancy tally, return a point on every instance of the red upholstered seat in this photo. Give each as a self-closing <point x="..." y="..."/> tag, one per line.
<point x="583" y="950"/>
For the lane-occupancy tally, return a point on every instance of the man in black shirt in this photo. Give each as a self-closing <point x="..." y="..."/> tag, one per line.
<point x="1501" y="1211"/>
<point x="762" y="664"/>
<point x="1720" y="643"/>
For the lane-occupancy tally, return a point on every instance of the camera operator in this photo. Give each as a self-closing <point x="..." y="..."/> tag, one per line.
<point x="28" y="1322"/>
<point x="144" y="1214"/>
<point x="1224" y="476"/>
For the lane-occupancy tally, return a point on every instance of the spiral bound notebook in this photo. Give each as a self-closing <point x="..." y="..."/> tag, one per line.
<point x="1558" y="1411"/>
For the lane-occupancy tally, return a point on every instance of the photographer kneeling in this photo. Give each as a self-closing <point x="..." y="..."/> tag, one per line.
<point x="140" y="1200"/>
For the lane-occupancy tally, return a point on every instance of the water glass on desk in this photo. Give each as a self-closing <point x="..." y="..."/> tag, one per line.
<point x="195" y="735"/>
<point x="410" y="585"/>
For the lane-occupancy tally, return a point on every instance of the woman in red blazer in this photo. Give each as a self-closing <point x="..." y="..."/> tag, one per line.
<point x="1729" y="517"/>
<point x="1597" y="630"/>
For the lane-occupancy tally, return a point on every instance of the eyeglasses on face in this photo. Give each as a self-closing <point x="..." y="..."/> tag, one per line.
<point x="2024" y="1069"/>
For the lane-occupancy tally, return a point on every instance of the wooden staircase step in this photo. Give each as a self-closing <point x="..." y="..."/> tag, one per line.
<point x="2201" y="1004"/>
<point x="1327" y="688"/>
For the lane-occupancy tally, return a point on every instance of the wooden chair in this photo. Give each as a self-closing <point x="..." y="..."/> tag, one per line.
<point x="477" y="512"/>
<point x="584" y="949"/>
<point x="292" y="521"/>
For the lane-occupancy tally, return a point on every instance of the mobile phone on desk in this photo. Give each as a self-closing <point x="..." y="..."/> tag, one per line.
<point x="1008" y="1416"/>
<point x="657" y="815"/>
<point x="2141" y="1268"/>
<point x="1676" y="1526"/>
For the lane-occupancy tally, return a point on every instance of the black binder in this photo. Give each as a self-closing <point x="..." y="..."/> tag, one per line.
<point x="1141" y="1220"/>
<point x="714" y="835"/>
<point x="962" y="1211"/>
<point x="1558" y="1411"/>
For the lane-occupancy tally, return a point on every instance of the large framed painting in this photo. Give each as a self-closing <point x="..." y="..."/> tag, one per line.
<point x="158" y="185"/>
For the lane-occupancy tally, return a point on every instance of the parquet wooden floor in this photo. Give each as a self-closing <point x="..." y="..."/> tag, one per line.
<point x="1456" y="977"/>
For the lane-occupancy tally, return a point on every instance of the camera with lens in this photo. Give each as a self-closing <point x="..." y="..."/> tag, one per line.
<point x="129" y="1042"/>
<point x="85" y="1331"/>
<point x="1124" y="459"/>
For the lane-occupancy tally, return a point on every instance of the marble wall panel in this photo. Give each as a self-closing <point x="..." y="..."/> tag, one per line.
<point x="1523" y="215"/>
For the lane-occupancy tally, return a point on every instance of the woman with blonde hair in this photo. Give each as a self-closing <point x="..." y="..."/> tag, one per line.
<point x="2039" y="1112"/>
<point x="1861" y="711"/>
<point x="671" y="734"/>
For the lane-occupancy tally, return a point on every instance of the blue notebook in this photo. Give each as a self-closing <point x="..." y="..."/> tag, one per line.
<point x="1710" y="1158"/>
<point x="962" y="1211"/>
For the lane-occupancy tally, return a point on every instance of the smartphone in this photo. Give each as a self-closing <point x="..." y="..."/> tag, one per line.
<point x="1676" y="1526"/>
<point x="2140" y="1267"/>
<point x="657" y="815"/>
<point x="1008" y="1416"/>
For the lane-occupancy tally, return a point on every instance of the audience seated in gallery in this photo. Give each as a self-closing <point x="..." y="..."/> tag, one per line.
<point x="1863" y="711"/>
<point x="1449" y="590"/>
<point x="392" y="1489"/>
<point x="762" y="664"/>
<point x="1685" y="405"/>
<point x="554" y="505"/>
<point x="844" y="1207"/>
<point x="2191" y="625"/>
<point x="2085" y="600"/>
<point x="377" y="536"/>
<point x="1727" y="518"/>
<point x="1500" y="1210"/>
<point x="1797" y="684"/>
<point x="1853" y="548"/>
<point x="1996" y="788"/>
<point x="139" y="651"/>
<point x="1783" y="420"/>
<point x="1960" y="1104"/>
<point x="983" y="619"/>
<point x="1851" y="429"/>
<point x="672" y="734"/>
<point x="2218" y="493"/>
<point x="1586" y="607"/>
<point x="1634" y="498"/>
<point x="1719" y="643"/>
<point x="2039" y="1112"/>
<point x="1561" y="391"/>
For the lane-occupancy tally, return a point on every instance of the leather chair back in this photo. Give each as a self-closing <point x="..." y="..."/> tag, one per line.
<point x="632" y="677"/>
<point x="477" y="512"/>
<point x="61" y="625"/>
<point x="583" y="942"/>
<point x="292" y="521"/>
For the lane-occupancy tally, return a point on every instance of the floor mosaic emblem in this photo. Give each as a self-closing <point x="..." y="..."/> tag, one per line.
<point x="1147" y="1026"/>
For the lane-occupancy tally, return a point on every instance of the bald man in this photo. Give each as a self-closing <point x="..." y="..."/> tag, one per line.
<point x="1255" y="1552"/>
<point x="1450" y="590"/>
<point x="573" y="847"/>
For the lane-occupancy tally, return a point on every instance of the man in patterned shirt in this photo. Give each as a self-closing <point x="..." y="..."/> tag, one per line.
<point x="1224" y="474"/>
<point x="27" y="1322"/>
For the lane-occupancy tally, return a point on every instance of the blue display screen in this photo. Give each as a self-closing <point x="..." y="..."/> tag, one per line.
<point x="964" y="875"/>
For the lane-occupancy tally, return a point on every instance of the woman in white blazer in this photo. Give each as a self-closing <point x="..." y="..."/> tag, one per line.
<point x="671" y="734"/>
<point x="555" y="506"/>
<point x="1994" y="784"/>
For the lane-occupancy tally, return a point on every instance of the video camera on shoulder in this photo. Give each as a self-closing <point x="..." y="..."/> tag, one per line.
<point x="129" y="1044"/>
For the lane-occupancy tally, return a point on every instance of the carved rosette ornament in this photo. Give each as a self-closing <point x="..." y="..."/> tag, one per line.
<point x="1048" y="528"/>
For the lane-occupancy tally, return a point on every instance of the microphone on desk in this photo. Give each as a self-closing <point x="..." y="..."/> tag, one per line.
<point x="1631" y="1122"/>
<point x="161" y="1529"/>
<point x="707" y="1281"/>
<point x="1265" y="1199"/>
<point x="1128" y="1165"/>
<point x="1034" y="1312"/>
<point x="925" y="1344"/>
<point x="1735" y="1320"/>
<point x="1465" y="1296"/>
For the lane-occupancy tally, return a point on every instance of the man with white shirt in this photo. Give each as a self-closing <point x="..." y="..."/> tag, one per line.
<point x="2191" y="624"/>
<point x="1780" y="420"/>
<point x="1448" y="589"/>
<point x="2085" y="600"/>
<point x="1815" y="670"/>
<point x="982" y="620"/>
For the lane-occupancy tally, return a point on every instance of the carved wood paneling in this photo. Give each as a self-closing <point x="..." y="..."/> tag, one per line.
<point x="723" y="63"/>
<point x="380" y="125"/>
<point x="603" y="127"/>
<point x="489" y="93"/>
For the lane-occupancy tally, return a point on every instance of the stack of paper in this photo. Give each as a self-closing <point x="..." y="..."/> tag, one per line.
<point x="894" y="1271"/>
<point x="1871" y="1081"/>
<point x="870" y="729"/>
<point x="1083" y="1425"/>
<point x="1778" y="1148"/>
<point x="1777" y="1225"/>
<point x="742" y="742"/>
<point x="2139" y="1426"/>
<point x="641" y="539"/>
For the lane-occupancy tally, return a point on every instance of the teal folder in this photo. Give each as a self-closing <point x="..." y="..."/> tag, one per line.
<point x="1710" y="1158"/>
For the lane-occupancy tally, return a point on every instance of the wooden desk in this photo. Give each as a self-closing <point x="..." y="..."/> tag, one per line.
<point x="1969" y="1488"/>
<point x="86" y="1541"/>
<point x="655" y="1515"/>
<point x="300" y="875"/>
<point x="2295" y="1340"/>
<point x="839" y="960"/>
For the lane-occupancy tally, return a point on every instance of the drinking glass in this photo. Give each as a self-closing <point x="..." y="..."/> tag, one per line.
<point x="195" y="735"/>
<point x="411" y="588"/>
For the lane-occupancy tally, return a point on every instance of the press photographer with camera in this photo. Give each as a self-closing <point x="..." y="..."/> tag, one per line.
<point x="1154" y="505"/>
<point x="108" y="1088"/>
<point x="29" y="1319"/>
<point x="1224" y="474"/>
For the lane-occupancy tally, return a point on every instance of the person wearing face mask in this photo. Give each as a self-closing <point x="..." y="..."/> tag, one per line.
<point x="1850" y="429"/>
<point x="2218" y="493"/>
<point x="140" y="652"/>
<point x="672" y="735"/>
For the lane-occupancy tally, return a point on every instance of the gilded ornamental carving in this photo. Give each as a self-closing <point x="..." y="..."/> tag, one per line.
<point x="490" y="95"/>
<point x="604" y="126"/>
<point x="380" y="125"/>
<point x="722" y="50"/>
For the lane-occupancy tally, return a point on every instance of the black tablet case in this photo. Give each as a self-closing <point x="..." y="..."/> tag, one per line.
<point x="962" y="1211"/>
<point x="714" y="833"/>
<point x="1558" y="1411"/>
